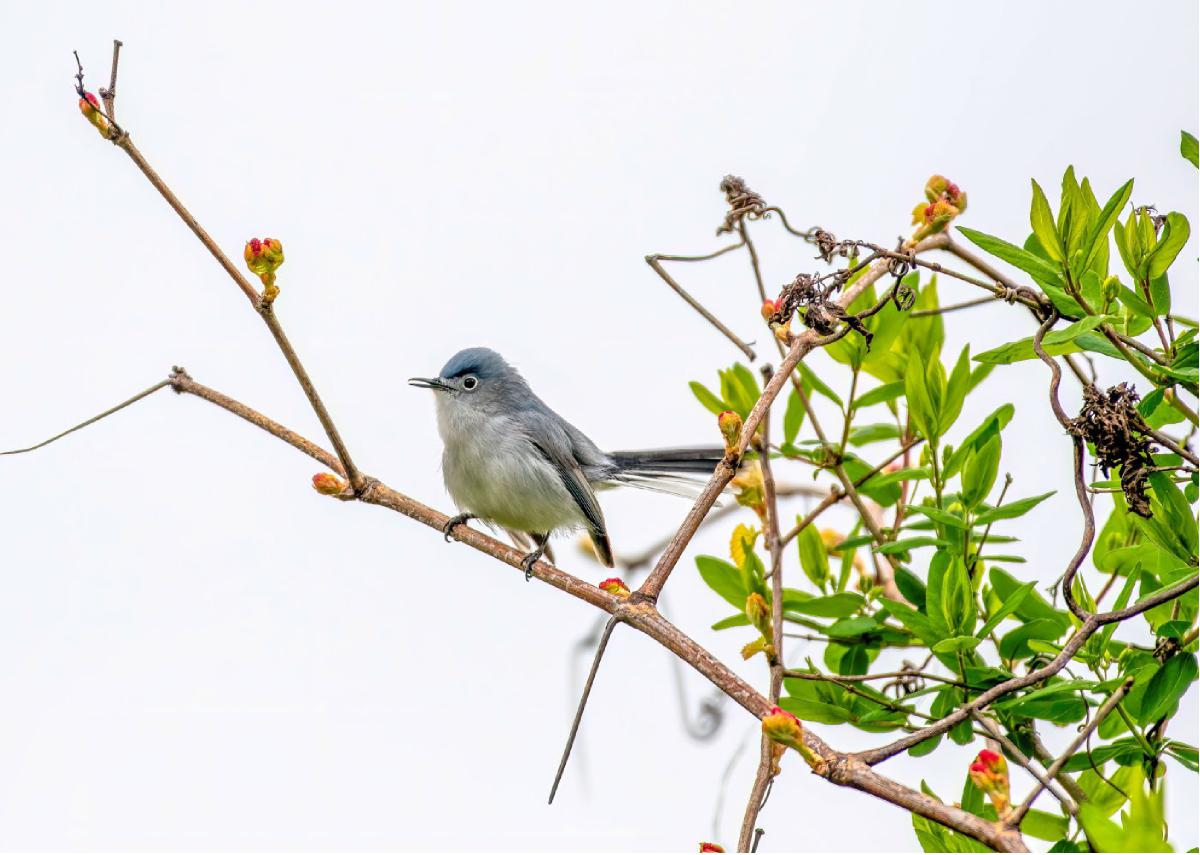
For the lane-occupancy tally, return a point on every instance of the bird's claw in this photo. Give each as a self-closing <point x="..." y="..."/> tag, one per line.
<point x="529" y="560"/>
<point x="458" y="519"/>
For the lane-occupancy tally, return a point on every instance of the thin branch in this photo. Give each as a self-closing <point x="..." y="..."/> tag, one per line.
<point x="1101" y="714"/>
<point x="583" y="699"/>
<point x="655" y="262"/>
<point x="1011" y="747"/>
<point x="842" y="769"/>
<point x="801" y="346"/>
<point x="142" y="394"/>
<point x="264" y="308"/>
<point x="109" y="95"/>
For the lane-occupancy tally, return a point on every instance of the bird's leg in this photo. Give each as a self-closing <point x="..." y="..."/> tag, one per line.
<point x="529" y="560"/>
<point x="458" y="519"/>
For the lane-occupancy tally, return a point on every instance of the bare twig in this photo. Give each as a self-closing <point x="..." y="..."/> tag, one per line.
<point x="655" y="262"/>
<point x="109" y="95"/>
<point x="583" y="699"/>
<point x="1101" y="714"/>
<point x="142" y="394"/>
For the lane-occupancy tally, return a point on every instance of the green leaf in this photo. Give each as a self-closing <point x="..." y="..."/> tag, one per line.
<point x="818" y="384"/>
<point x="1015" y="644"/>
<point x="938" y="515"/>
<point x="956" y="392"/>
<point x="1010" y="605"/>
<point x="1187" y="147"/>
<point x="732" y="621"/>
<point x="1098" y="234"/>
<point x="1043" y="825"/>
<point x="1172" y="238"/>
<point x="995" y="421"/>
<point x="956" y="644"/>
<point x="1040" y="269"/>
<point x="979" y="473"/>
<point x="1135" y="303"/>
<point x="710" y="401"/>
<point x="880" y="394"/>
<point x="920" y="404"/>
<point x="1012" y="510"/>
<point x="723" y="578"/>
<point x="1055" y="343"/>
<point x="1033" y="607"/>
<point x="867" y="434"/>
<point x="1041" y="218"/>
<point x="910" y="474"/>
<point x="1167" y="686"/>
<point x="813" y="558"/>
<point x="834" y="606"/>
<point x="907" y="544"/>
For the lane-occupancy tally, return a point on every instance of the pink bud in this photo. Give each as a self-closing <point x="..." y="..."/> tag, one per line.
<point x="614" y="586"/>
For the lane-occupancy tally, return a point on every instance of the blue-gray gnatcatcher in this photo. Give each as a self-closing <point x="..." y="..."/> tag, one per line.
<point x="511" y="461"/>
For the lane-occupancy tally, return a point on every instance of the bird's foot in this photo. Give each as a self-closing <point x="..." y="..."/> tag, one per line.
<point x="459" y="519"/>
<point x="529" y="560"/>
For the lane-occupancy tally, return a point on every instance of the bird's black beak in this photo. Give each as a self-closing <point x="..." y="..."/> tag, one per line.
<point x="433" y="383"/>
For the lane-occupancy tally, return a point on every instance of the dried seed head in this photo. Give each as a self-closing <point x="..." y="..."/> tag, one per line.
<point x="1111" y="423"/>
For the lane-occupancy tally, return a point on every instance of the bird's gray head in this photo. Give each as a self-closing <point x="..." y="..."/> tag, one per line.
<point x="477" y="376"/>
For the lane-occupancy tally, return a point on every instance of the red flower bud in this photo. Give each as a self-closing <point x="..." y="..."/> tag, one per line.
<point x="730" y="424"/>
<point x="90" y="107"/>
<point x="711" y="847"/>
<point x="263" y="257"/>
<point x="328" y="484"/>
<point x="783" y="727"/>
<point x="989" y="772"/>
<point x="614" y="586"/>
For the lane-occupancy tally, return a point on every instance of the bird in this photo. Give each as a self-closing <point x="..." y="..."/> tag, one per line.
<point x="511" y="461"/>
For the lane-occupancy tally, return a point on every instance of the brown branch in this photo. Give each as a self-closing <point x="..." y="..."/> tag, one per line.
<point x="109" y="95"/>
<point x="583" y="699"/>
<point x="1013" y="751"/>
<point x="142" y="394"/>
<point x="801" y="346"/>
<point x="767" y="748"/>
<point x="655" y="262"/>
<point x="1056" y="767"/>
<point x="264" y="308"/>
<point x="845" y="770"/>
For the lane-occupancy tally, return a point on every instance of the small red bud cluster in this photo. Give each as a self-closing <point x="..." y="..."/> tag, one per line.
<point x="989" y="773"/>
<point x="263" y="257"/>
<point x="944" y="201"/>
<point x="614" y="586"/>
<point x="711" y="847"/>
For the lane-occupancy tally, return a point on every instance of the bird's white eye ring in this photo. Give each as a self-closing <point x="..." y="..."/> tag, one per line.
<point x="470" y="383"/>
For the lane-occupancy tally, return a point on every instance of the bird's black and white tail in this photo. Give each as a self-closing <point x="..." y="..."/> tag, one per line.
<point x="678" y="471"/>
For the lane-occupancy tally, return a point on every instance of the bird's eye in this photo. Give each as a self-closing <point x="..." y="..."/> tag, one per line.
<point x="470" y="383"/>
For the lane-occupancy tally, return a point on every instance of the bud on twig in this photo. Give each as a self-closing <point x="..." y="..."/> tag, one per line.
<point x="945" y="201"/>
<point x="614" y="586"/>
<point x="989" y="773"/>
<point x="751" y="491"/>
<point x="759" y="614"/>
<point x="89" y="105"/>
<point x="711" y="847"/>
<point x="730" y="424"/>
<point x="263" y="257"/>
<point x="328" y="484"/>
<point x="784" y="728"/>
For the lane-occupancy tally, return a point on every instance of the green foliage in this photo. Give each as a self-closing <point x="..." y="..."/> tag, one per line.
<point x="945" y="518"/>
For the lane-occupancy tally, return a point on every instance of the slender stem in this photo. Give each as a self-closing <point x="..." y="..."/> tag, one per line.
<point x="142" y="394"/>
<point x="265" y="309"/>
<point x="1101" y="714"/>
<point x="655" y="262"/>
<point x="583" y="699"/>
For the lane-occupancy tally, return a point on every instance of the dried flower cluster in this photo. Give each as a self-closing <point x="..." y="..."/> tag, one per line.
<point x="1111" y="423"/>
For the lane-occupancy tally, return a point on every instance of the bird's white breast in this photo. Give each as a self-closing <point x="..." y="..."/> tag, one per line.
<point x="493" y="471"/>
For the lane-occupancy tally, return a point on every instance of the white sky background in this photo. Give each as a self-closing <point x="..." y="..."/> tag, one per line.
<point x="198" y="652"/>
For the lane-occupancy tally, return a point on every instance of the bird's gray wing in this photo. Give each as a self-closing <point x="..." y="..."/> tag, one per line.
<point x="547" y="434"/>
